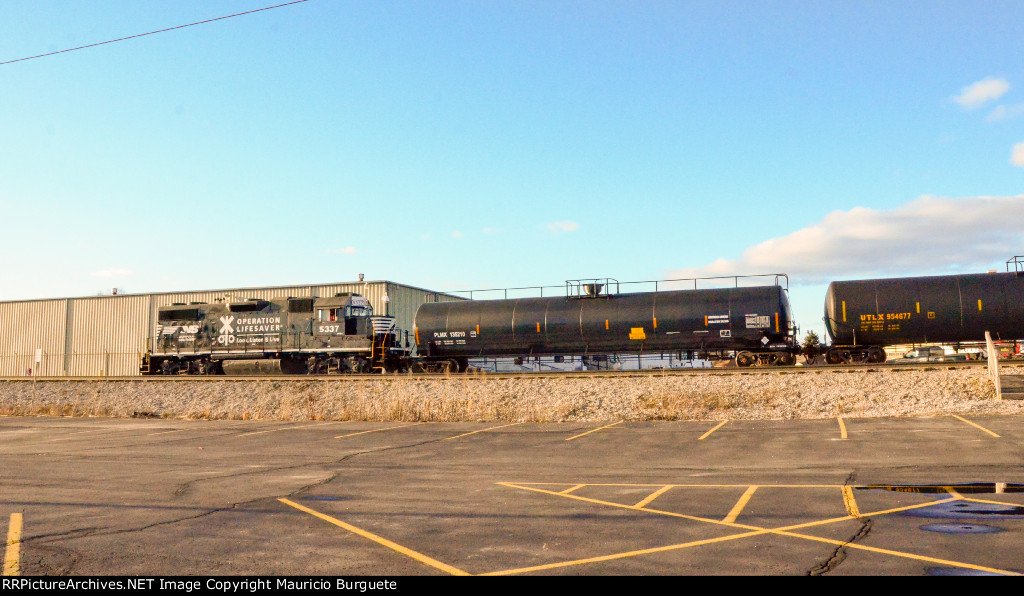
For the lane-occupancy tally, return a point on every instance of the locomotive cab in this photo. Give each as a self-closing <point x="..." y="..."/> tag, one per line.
<point x="344" y="314"/>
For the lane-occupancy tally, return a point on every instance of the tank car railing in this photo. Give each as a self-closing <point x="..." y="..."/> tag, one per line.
<point x="659" y="285"/>
<point x="1018" y="264"/>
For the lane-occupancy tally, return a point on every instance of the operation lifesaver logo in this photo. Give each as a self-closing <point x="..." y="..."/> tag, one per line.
<point x="253" y="329"/>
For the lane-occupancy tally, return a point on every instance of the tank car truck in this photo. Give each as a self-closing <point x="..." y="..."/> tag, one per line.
<point x="309" y="335"/>
<point x="864" y="316"/>
<point x="755" y="323"/>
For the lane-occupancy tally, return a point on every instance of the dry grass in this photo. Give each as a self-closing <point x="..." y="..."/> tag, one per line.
<point x="533" y="399"/>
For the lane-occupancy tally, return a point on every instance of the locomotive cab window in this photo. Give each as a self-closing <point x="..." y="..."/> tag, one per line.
<point x="326" y="315"/>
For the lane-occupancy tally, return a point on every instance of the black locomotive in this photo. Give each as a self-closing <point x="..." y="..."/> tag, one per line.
<point x="754" y="322"/>
<point x="863" y="316"/>
<point x="293" y="336"/>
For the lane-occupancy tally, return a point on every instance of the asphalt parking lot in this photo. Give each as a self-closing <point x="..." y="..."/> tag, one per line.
<point x="911" y="496"/>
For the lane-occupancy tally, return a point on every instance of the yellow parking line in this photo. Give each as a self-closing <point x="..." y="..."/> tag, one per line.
<point x="755" y="530"/>
<point x="377" y="430"/>
<point x="653" y="496"/>
<point x="705" y="435"/>
<point x="12" y="564"/>
<point x="897" y="553"/>
<point x="274" y="430"/>
<point x="571" y="488"/>
<point x="952" y="491"/>
<point x="738" y="507"/>
<point x="976" y="426"/>
<point x="595" y="430"/>
<point x="481" y="430"/>
<point x="379" y="540"/>
<point x="850" y="502"/>
<point x="842" y="428"/>
<point x="634" y="553"/>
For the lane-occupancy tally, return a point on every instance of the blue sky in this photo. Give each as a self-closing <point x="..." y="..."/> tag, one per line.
<point x="459" y="145"/>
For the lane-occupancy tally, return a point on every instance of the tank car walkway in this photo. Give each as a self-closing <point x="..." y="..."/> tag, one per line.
<point x="937" y="496"/>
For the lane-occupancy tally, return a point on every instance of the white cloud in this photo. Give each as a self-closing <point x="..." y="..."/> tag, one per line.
<point x="113" y="273"/>
<point x="1005" y="113"/>
<point x="348" y="250"/>
<point x="926" y="235"/>
<point x="982" y="91"/>
<point x="1017" y="157"/>
<point x="559" y="227"/>
<point x="457" y="234"/>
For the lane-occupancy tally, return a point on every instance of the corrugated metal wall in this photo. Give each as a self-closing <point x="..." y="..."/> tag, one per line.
<point x="108" y="335"/>
<point x="105" y="335"/>
<point x="28" y="326"/>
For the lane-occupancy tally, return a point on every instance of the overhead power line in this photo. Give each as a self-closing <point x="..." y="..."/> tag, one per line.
<point x="92" y="45"/>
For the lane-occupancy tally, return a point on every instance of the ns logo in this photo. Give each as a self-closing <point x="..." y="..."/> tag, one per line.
<point x="225" y="336"/>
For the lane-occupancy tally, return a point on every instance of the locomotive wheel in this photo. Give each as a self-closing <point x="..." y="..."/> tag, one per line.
<point x="745" y="359"/>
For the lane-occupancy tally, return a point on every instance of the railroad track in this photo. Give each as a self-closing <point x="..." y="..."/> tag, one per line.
<point x="732" y="370"/>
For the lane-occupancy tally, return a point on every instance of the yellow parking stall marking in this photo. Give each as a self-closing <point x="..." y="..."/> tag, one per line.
<point x="842" y="428"/>
<point x="952" y="491"/>
<point x="653" y="496"/>
<point x="738" y="507"/>
<point x="897" y="553"/>
<point x="850" y="502"/>
<point x="377" y="430"/>
<point x="595" y="430"/>
<point x="274" y="430"/>
<point x="624" y="555"/>
<point x="571" y="489"/>
<point x="167" y="432"/>
<point x="705" y="435"/>
<point x="482" y="430"/>
<point x="379" y="540"/>
<point x="976" y="426"/>
<point x="71" y="436"/>
<point x="12" y="555"/>
<point x="752" y="531"/>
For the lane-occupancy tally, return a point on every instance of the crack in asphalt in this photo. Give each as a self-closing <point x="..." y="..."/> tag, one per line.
<point x="51" y="541"/>
<point x="839" y="554"/>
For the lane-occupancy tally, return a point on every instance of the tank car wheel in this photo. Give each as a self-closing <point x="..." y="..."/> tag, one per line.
<point x="833" y="357"/>
<point x="417" y="367"/>
<point x="876" y="355"/>
<point x="745" y="359"/>
<point x="786" y="359"/>
<point x="450" y="366"/>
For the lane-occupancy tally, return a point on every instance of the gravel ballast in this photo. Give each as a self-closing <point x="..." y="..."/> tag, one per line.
<point x="753" y="395"/>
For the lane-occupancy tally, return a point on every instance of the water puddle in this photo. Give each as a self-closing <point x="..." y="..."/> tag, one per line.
<point x="960" y="529"/>
<point x="972" y="488"/>
<point x="957" y="571"/>
<point x="968" y="510"/>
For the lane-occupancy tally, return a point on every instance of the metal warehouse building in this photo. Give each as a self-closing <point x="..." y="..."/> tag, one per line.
<point x="107" y="335"/>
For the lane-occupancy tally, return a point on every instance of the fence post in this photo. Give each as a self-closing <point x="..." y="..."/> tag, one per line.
<point x="993" y="364"/>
